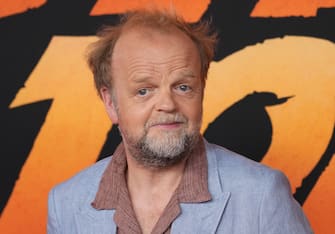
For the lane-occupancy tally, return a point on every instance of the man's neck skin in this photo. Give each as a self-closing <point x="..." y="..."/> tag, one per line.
<point x="150" y="190"/>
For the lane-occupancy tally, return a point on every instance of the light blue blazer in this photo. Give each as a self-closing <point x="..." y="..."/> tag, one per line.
<point x="247" y="198"/>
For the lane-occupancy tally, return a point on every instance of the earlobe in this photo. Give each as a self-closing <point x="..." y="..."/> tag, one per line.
<point x="110" y="106"/>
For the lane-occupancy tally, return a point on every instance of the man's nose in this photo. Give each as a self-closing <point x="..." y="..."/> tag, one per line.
<point x="165" y="101"/>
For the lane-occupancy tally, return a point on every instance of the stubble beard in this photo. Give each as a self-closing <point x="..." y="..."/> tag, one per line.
<point x="166" y="149"/>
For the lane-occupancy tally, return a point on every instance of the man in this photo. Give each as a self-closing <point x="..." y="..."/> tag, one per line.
<point x="164" y="177"/>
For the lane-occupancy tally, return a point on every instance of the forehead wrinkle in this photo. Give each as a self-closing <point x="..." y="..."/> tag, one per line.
<point x="184" y="69"/>
<point x="172" y="63"/>
<point x="139" y="66"/>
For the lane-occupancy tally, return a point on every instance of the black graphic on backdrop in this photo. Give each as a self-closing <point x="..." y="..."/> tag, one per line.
<point x="25" y="37"/>
<point x="21" y="126"/>
<point x="245" y="127"/>
<point x="236" y="29"/>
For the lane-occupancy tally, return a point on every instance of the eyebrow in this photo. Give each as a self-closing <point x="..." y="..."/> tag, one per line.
<point x="142" y="78"/>
<point x="186" y="74"/>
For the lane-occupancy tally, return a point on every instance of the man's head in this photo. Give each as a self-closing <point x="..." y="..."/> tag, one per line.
<point x="100" y="52"/>
<point x="150" y="72"/>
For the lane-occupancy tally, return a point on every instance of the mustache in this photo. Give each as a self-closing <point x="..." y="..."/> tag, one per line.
<point x="166" y="119"/>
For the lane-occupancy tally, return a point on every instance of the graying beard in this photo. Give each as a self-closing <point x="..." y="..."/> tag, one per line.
<point x="148" y="158"/>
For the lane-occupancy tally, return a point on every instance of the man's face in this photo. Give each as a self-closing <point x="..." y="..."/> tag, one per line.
<point x="157" y="95"/>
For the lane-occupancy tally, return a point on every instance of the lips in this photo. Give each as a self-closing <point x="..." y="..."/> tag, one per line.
<point x="167" y="125"/>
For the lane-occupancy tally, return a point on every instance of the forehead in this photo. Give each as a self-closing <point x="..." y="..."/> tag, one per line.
<point x="154" y="43"/>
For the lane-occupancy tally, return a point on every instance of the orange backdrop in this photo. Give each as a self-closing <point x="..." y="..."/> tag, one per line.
<point x="76" y="125"/>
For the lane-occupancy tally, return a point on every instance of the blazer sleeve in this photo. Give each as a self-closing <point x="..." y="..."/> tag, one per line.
<point x="52" y="223"/>
<point x="279" y="211"/>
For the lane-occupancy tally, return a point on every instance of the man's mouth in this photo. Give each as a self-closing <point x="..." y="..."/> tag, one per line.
<point x="167" y="125"/>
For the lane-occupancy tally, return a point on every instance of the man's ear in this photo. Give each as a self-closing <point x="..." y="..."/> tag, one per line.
<point x="110" y="106"/>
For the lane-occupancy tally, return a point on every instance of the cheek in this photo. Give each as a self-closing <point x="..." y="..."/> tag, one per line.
<point x="193" y="112"/>
<point x="133" y="115"/>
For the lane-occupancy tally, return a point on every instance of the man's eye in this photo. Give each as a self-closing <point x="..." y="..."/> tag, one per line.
<point x="142" y="92"/>
<point x="184" y="88"/>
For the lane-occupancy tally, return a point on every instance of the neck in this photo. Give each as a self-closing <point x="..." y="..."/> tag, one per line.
<point x="150" y="190"/>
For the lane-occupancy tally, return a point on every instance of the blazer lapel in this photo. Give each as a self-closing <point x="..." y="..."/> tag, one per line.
<point x="95" y="221"/>
<point x="201" y="217"/>
<point x="204" y="217"/>
<point x="89" y="220"/>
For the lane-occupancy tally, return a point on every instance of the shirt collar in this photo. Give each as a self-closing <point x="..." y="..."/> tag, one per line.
<point x="113" y="188"/>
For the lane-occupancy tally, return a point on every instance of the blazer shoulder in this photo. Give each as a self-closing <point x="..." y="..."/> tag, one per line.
<point x="69" y="204"/>
<point x="86" y="179"/>
<point x="236" y="170"/>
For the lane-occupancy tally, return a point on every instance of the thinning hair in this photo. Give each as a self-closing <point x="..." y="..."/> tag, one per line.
<point x="100" y="52"/>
